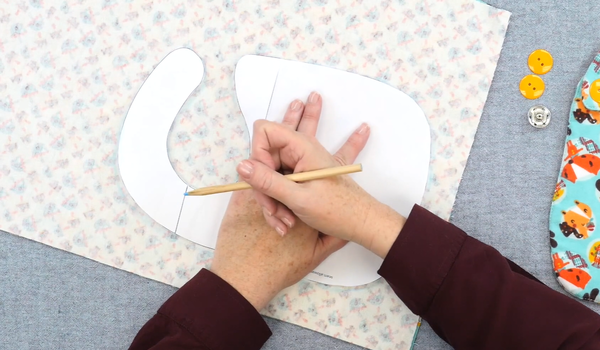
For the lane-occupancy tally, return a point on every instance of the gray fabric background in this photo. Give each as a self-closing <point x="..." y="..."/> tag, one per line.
<point x="50" y="299"/>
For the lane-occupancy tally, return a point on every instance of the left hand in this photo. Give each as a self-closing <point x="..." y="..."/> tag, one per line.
<point x="250" y="255"/>
<point x="258" y="262"/>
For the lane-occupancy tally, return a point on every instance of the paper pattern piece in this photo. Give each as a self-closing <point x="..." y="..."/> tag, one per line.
<point x="397" y="123"/>
<point x="144" y="163"/>
<point x="69" y="71"/>
<point x="399" y="129"/>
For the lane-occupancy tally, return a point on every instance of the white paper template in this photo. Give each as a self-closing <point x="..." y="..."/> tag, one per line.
<point x="255" y="78"/>
<point x="395" y="161"/>
<point x="143" y="160"/>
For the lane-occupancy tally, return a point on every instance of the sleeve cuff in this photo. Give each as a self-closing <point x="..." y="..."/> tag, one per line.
<point x="217" y="314"/>
<point x="421" y="257"/>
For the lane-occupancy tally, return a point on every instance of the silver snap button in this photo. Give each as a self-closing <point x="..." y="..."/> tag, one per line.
<point x="539" y="116"/>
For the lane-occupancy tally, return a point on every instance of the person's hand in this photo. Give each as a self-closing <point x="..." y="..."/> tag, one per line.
<point x="258" y="262"/>
<point x="249" y="255"/>
<point x="336" y="206"/>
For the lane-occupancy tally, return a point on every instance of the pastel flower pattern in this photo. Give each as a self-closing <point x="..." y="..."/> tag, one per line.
<point x="69" y="71"/>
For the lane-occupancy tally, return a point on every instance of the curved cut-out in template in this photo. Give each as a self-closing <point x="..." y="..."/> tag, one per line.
<point x="395" y="160"/>
<point x="143" y="159"/>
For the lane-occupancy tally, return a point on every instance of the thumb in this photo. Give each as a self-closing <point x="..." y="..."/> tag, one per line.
<point x="266" y="180"/>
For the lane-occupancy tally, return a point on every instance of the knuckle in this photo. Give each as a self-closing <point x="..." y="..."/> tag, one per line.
<point x="354" y="139"/>
<point x="281" y="211"/>
<point x="301" y="205"/>
<point x="309" y="115"/>
<point x="260" y="124"/>
<point x="266" y="182"/>
<point x="340" y="159"/>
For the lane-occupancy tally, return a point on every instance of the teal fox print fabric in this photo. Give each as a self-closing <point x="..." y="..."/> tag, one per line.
<point x="574" y="238"/>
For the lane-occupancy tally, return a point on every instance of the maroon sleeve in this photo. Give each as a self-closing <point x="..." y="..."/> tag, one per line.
<point x="474" y="298"/>
<point x="206" y="313"/>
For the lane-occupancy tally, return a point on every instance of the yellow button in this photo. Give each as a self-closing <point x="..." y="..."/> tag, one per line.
<point x="532" y="87"/>
<point x="540" y="62"/>
<point x="595" y="91"/>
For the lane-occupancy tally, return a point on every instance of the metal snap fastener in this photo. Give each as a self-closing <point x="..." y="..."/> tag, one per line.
<point x="539" y="116"/>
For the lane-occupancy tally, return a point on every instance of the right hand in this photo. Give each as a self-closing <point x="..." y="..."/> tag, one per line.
<point x="336" y="206"/>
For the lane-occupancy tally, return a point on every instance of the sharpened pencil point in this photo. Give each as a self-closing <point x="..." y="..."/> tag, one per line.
<point x="186" y="194"/>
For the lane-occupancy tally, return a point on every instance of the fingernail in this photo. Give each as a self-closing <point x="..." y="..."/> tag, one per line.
<point x="313" y="97"/>
<point x="266" y="212"/>
<point x="287" y="222"/>
<point x="280" y="231"/>
<point x="363" y="128"/>
<point x="295" y="106"/>
<point x="245" y="168"/>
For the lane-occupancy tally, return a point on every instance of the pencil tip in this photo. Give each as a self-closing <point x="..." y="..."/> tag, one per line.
<point x="186" y="194"/>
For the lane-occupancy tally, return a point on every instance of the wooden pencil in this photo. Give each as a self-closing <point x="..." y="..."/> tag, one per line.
<point x="297" y="177"/>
